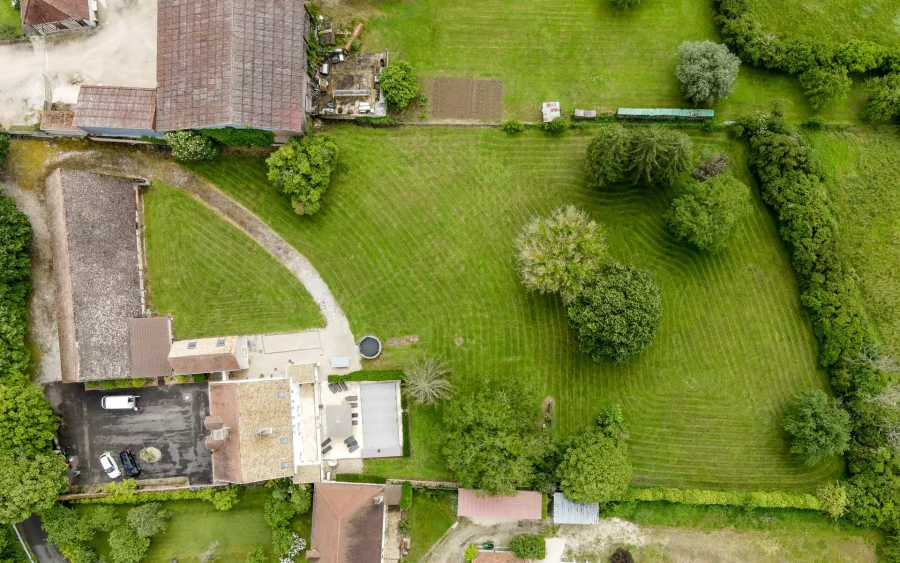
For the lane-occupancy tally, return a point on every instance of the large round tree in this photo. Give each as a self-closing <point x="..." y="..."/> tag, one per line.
<point x="595" y="468"/>
<point x="27" y="423"/>
<point x="617" y="314"/>
<point x="607" y="156"/>
<point x="657" y="155"/>
<point x="705" y="213"/>
<point x="558" y="253"/>
<point x="398" y="84"/>
<point x="706" y="71"/>
<point x="29" y="485"/>
<point x="302" y="168"/>
<point x="819" y="427"/>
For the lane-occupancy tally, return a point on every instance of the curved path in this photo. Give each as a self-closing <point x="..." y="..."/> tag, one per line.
<point x="337" y="338"/>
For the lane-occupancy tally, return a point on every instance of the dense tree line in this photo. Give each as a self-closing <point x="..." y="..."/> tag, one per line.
<point x="791" y="182"/>
<point x="822" y="66"/>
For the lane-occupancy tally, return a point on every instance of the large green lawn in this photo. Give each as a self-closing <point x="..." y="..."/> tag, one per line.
<point x="195" y="524"/>
<point x="863" y="165"/>
<point x="416" y="237"/>
<point x="583" y="53"/>
<point x="832" y="20"/>
<point x="10" y="21"/>
<point x="215" y="279"/>
<point x="430" y="517"/>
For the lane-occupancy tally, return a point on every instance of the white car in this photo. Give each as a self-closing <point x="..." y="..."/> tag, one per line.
<point x="109" y="465"/>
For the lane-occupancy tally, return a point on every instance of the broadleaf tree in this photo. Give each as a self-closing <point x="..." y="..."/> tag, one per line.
<point x="706" y="71"/>
<point x="29" y="485"/>
<point x="302" y="168"/>
<point x="705" y="213"/>
<point x="819" y="427"/>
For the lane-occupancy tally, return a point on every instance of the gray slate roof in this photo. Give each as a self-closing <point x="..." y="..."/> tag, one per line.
<point x="95" y="267"/>
<point x="231" y="62"/>
<point x="568" y="512"/>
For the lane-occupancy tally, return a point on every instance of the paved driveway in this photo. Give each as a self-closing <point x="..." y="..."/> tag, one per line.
<point x="169" y="418"/>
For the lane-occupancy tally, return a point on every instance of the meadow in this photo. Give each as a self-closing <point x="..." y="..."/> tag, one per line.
<point x="213" y="278"/>
<point x="583" y="53"/>
<point x="416" y="238"/>
<point x="863" y="170"/>
<point x="831" y="20"/>
<point x="10" y="21"/>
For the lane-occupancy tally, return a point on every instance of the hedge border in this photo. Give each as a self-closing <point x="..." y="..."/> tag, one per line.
<point x="360" y="478"/>
<point x="369" y="375"/>
<point x="708" y="497"/>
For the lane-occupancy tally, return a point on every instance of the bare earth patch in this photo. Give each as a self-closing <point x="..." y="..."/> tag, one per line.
<point x="464" y="98"/>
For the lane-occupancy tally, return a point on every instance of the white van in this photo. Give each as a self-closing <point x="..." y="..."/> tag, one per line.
<point x="119" y="402"/>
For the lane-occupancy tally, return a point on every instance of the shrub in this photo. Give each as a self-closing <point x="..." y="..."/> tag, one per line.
<point x="706" y="71"/>
<point x="148" y="519"/>
<point x="705" y="213"/>
<point x="471" y="553"/>
<point x="183" y="379"/>
<point x="246" y="137"/>
<point x="556" y="126"/>
<point x="366" y="121"/>
<point x="103" y="519"/>
<point x="426" y="380"/>
<point x="398" y="84"/>
<point x="227" y="498"/>
<point x="127" y="546"/>
<point x="108" y="385"/>
<point x="833" y="499"/>
<point x="884" y="98"/>
<point x="815" y="123"/>
<point x="27" y="422"/>
<point x="860" y="56"/>
<point x="4" y="145"/>
<point x="15" y="234"/>
<point x="818" y="426"/>
<point x="625" y="4"/>
<point x="528" y="546"/>
<point x="658" y="155"/>
<point x="560" y="253"/>
<point x="199" y="378"/>
<point x="302" y="169"/>
<point x="512" y="126"/>
<point x="824" y="84"/>
<point x="258" y="555"/>
<point x="713" y="165"/>
<point x="404" y="526"/>
<point x="65" y="528"/>
<point x="138" y="382"/>
<point x="406" y="495"/>
<point x="594" y="468"/>
<point x="607" y="156"/>
<point x="701" y="497"/>
<point x="621" y="555"/>
<point x="360" y="478"/>
<point x="190" y="146"/>
<point x="29" y="485"/>
<point x="617" y="315"/>
<point x="369" y="375"/>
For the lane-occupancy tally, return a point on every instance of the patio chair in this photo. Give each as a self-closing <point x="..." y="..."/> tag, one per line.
<point x="354" y="415"/>
<point x="349" y="440"/>
<point x="326" y="449"/>
<point x="351" y="398"/>
<point x="344" y="386"/>
<point x="333" y="387"/>
<point x="353" y="448"/>
<point x="354" y="405"/>
<point x="354" y="422"/>
<point x="326" y="442"/>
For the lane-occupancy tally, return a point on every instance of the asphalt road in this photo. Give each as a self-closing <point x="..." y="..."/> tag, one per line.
<point x="35" y="536"/>
<point x="169" y="418"/>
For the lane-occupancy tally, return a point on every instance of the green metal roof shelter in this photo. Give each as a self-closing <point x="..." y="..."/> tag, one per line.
<point x="664" y="113"/>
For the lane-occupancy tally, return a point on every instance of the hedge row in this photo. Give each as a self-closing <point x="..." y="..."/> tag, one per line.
<point x="360" y="478"/>
<point x="369" y="375"/>
<point x="15" y="265"/>
<point x="754" y="499"/>
<point x="816" y="62"/>
<point x="407" y="445"/>
<point x="377" y="122"/>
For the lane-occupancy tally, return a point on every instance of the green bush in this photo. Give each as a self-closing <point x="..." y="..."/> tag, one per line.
<point x="258" y="555"/>
<point x="183" y="379"/>
<point x="227" y="498"/>
<point x="127" y="546"/>
<point x="824" y="84"/>
<point x="369" y="375"/>
<point x="407" y="445"/>
<point x="190" y="146"/>
<point x="398" y="84"/>
<point x="406" y="495"/>
<point x="512" y="126"/>
<point x="302" y="168"/>
<point x="625" y="4"/>
<point x="108" y="385"/>
<point x="884" y="98"/>
<point x="199" y="378"/>
<point x="557" y="126"/>
<point x="4" y="145"/>
<point x="607" y="156"/>
<point x="360" y="478"/>
<point x="247" y="137"/>
<point x="148" y="519"/>
<point x="819" y="427"/>
<point x="366" y="121"/>
<point x="815" y="123"/>
<point x="705" y="213"/>
<point x="753" y="499"/>
<point x="595" y="466"/>
<point x="528" y="546"/>
<point x="471" y="553"/>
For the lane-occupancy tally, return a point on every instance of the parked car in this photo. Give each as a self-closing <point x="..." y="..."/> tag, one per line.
<point x="119" y="402"/>
<point x="109" y="465"/>
<point x="129" y="463"/>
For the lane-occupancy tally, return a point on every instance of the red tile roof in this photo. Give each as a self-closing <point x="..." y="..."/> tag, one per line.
<point x="115" y="107"/>
<point x="525" y="505"/>
<point x="347" y="524"/>
<point x="46" y="11"/>
<point x="150" y="340"/>
<point x="231" y="62"/>
<point x="503" y="557"/>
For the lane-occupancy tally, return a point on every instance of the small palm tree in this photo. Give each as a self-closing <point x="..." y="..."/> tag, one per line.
<point x="426" y="380"/>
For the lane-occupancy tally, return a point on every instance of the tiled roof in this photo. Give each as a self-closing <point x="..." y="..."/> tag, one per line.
<point x="150" y="341"/>
<point x="231" y="62"/>
<point x="503" y="557"/>
<point x="46" y="11"/>
<point x="205" y="356"/>
<point x="96" y="270"/>
<point x="116" y="107"/>
<point x="347" y="523"/>
<point x="524" y="505"/>
<point x="58" y="120"/>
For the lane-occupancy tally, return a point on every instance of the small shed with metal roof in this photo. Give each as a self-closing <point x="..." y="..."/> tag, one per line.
<point x="568" y="512"/>
<point x="664" y="113"/>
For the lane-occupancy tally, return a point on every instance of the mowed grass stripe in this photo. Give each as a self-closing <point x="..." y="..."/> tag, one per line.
<point x="417" y="237"/>
<point x="214" y="279"/>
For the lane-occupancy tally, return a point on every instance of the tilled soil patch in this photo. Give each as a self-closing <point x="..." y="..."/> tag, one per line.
<point x="465" y="98"/>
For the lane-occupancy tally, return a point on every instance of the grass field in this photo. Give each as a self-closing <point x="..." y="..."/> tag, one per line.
<point x="832" y="20"/>
<point x="213" y="278"/>
<point x="416" y="237"/>
<point x="696" y="533"/>
<point x="10" y="21"/>
<point x="583" y="53"/>
<point x="429" y="518"/>
<point x="863" y="164"/>
<point x="195" y="524"/>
